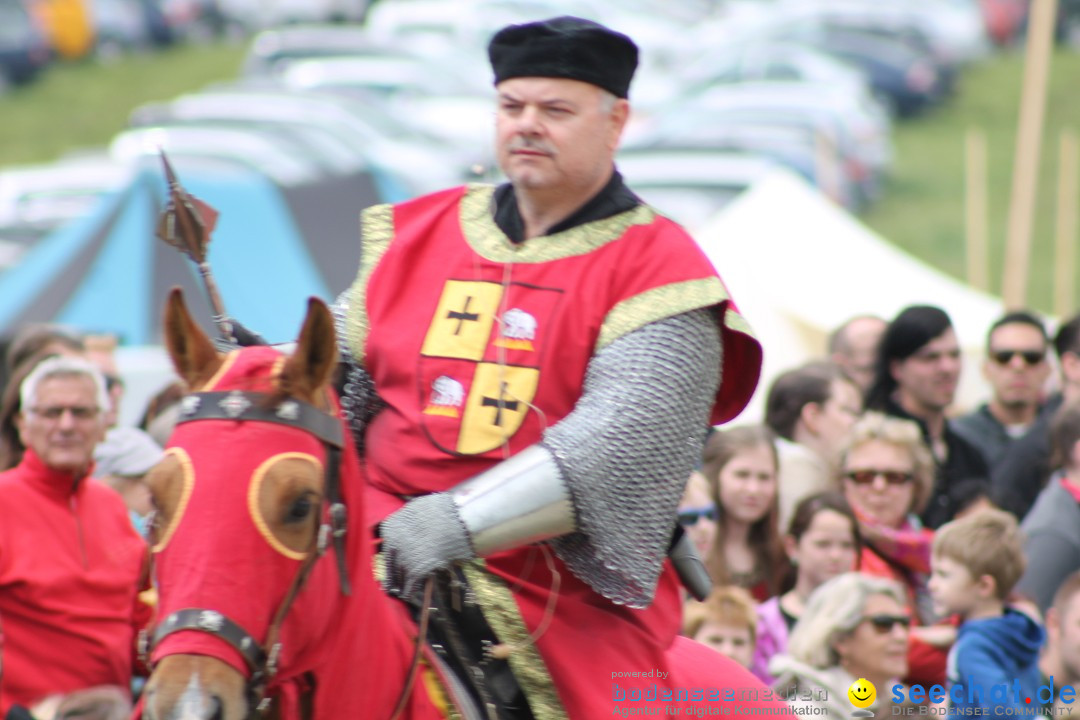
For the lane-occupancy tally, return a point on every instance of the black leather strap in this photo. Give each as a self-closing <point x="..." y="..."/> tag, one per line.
<point x="459" y="634"/>
<point x="210" y="621"/>
<point x="241" y="405"/>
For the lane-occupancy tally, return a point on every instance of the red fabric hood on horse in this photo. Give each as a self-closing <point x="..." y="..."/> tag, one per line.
<point x="218" y="481"/>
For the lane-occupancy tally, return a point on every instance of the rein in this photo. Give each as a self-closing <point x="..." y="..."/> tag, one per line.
<point x="240" y="405"/>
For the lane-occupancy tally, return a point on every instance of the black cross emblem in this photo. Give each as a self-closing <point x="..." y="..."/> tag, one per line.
<point x="463" y="315"/>
<point x="499" y="403"/>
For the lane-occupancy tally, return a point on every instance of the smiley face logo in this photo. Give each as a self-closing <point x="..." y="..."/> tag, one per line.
<point x="862" y="693"/>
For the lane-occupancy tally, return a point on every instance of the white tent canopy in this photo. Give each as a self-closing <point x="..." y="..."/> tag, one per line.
<point x="798" y="266"/>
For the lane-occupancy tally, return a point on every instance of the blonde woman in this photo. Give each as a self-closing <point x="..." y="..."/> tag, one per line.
<point x="854" y="626"/>
<point x="887" y="474"/>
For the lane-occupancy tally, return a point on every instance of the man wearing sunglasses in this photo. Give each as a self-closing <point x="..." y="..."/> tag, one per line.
<point x="1023" y="471"/>
<point x="1016" y="367"/>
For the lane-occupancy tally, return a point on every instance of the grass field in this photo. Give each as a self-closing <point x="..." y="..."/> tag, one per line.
<point x="923" y="205"/>
<point x="78" y="105"/>
<point x="75" y="106"/>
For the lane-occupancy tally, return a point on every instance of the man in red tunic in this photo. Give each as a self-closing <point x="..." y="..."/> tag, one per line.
<point x="70" y="559"/>
<point x="531" y="371"/>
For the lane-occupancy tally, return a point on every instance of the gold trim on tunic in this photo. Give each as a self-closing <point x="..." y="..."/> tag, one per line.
<point x="734" y="321"/>
<point x="659" y="303"/>
<point x="501" y="612"/>
<point x="487" y="240"/>
<point x="376" y="232"/>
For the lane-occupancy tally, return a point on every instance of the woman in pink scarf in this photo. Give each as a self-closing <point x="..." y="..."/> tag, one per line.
<point x="887" y="474"/>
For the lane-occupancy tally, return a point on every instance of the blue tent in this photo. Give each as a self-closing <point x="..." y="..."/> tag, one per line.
<point x="273" y="248"/>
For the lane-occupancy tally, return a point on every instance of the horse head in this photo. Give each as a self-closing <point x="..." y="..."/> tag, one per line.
<point x="248" y="498"/>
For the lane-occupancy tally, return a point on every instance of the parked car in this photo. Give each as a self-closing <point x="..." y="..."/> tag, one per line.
<point x="953" y="30"/>
<point x="379" y="77"/>
<point x="36" y="199"/>
<point x="426" y="164"/>
<point x="272" y="154"/>
<point x="24" y="50"/>
<point x="270" y="48"/>
<point x="259" y="14"/>
<point x="906" y="80"/>
<point x="690" y="186"/>
<point x="120" y="26"/>
<point x="757" y="60"/>
<point x="792" y="142"/>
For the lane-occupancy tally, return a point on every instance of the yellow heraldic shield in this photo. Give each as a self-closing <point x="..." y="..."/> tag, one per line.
<point x="462" y="323"/>
<point x="498" y="403"/>
<point x="480" y="362"/>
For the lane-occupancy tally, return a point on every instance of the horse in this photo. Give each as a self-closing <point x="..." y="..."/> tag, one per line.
<point x="266" y="573"/>
<point x="263" y="564"/>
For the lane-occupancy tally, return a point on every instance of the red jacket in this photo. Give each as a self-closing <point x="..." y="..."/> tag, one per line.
<point x="70" y="570"/>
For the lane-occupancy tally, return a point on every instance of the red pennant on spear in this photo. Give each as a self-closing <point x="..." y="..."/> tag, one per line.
<point x="186" y="224"/>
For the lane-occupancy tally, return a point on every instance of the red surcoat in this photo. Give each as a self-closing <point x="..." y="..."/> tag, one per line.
<point x="475" y="346"/>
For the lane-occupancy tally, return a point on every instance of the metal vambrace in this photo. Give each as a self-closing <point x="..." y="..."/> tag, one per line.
<point x="520" y="501"/>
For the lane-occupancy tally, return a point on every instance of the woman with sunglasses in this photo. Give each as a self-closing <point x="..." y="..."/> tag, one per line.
<point x="854" y="627"/>
<point x="740" y="465"/>
<point x="822" y="542"/>
<point x="887" y="475"/>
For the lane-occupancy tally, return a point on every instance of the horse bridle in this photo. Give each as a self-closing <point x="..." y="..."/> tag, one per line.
<point x="262" y="659"/>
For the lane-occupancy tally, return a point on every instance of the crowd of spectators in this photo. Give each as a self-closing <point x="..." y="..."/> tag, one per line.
<point x="921" y="546"/>
<point x="864" y="531"/>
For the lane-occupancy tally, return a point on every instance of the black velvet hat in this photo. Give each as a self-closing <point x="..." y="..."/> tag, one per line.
<point x="565" y="47"/>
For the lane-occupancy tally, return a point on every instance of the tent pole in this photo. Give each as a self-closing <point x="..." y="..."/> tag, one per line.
<point x="978" y="271"/>
<point x="1028" y="145"/>
<point x="1066" y="235"/>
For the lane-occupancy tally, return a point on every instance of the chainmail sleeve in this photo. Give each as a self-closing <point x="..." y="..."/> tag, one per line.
<point x="359" y="401"/>
<point x="628" y="447"/>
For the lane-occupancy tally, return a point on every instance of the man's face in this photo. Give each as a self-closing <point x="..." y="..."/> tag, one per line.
<point x="63" y="423"/>
<point x="1016" y="380"/>
<point x="927" y="379"/>
<point x="556" y="134"/>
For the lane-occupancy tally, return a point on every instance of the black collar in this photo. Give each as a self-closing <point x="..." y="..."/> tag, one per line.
<point x="613" y="199"/>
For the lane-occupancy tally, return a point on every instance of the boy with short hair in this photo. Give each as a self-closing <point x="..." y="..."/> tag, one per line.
<point x="726" y="621"/>
<point x="993" y="665"/>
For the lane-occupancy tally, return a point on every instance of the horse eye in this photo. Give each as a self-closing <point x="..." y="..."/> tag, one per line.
<point x="299" y="510"/>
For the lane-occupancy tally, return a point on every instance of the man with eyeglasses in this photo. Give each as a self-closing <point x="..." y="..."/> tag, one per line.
<point x="71" y="563"/>
<point x="1016" y="368"/>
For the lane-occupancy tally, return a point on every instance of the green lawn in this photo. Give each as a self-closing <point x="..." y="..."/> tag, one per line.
<point x="922" y="208"/>
<point x="78" y="105"/>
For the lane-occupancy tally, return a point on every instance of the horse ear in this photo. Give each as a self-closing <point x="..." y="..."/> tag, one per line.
<point x="316" y="354"/>
<point x="192" y="353"/>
